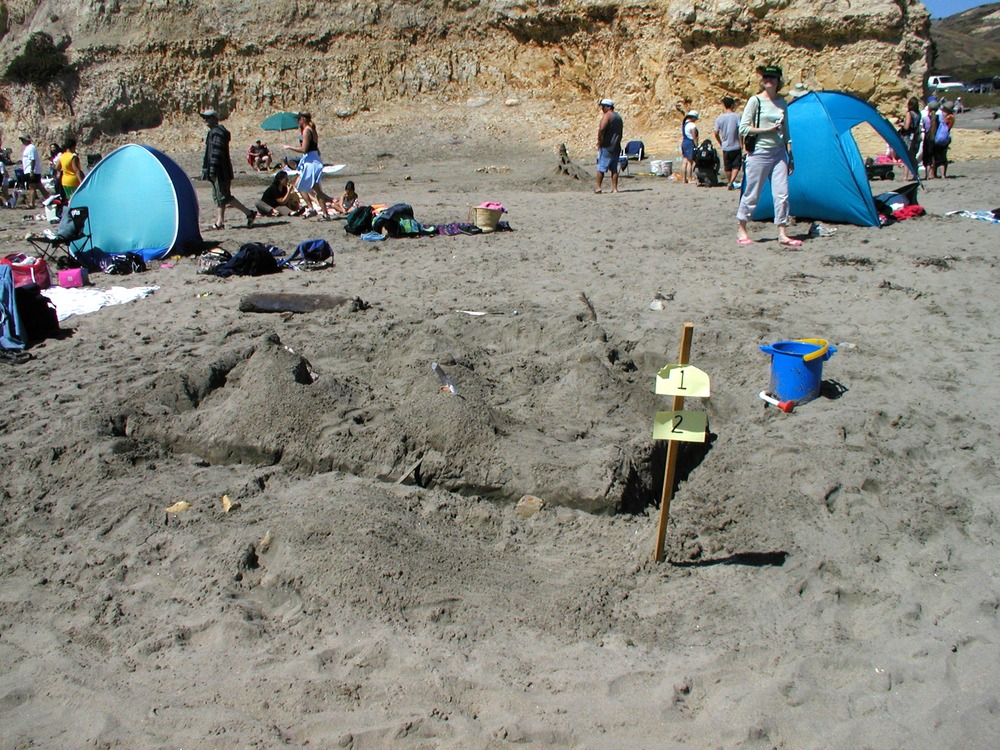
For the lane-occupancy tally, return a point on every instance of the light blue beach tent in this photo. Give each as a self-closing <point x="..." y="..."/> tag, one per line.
<point x="829" y="181"/>
<point x="139" y="201"/>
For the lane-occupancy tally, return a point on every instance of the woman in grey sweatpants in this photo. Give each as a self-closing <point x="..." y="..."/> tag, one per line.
<point x="764" y="118"/>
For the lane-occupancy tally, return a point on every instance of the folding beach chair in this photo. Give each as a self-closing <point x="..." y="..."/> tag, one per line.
<point x="74" y="226"/>
<point x="635" y="150"/>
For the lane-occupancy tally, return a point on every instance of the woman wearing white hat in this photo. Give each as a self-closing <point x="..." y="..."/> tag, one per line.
<point x="689" y="141"/>
<point x="769" y="157"/>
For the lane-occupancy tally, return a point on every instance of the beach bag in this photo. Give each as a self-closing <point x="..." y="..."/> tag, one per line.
<point x="37" y="313"/>
<point x="314" y="250"/>
<point x="359" y="220"/>
<point x="28" y="270"/>
<point x="750" y="141"/>
<point x="942" y="136"/>
<point x="389" y="219"/>
<point x="212" y="259"/>
<point x="252" y="259"/>
<point x="123" y="264"/>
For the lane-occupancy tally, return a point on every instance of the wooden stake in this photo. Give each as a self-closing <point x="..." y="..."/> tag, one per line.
<point x="672" y="447"/>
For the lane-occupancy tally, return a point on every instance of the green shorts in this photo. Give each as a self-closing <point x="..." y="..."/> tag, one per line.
<point x="220" y="191"/>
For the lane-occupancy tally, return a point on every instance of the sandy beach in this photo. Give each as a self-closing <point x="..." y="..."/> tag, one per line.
<point x="831" y="574"/>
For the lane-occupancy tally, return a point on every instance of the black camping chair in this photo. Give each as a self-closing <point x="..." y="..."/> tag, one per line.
<point x="74" y="226"/>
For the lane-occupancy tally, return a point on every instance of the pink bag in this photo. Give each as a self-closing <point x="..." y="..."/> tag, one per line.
<point x="71" y="277"/>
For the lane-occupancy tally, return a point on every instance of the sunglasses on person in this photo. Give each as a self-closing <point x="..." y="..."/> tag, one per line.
<point x="769" y="77"/>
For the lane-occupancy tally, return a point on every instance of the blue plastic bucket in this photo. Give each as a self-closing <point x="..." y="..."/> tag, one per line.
<point x="797" y="368"/>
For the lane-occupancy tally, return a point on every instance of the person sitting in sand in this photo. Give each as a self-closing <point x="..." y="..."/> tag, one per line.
<point x="280" y="198"/>
<point x="347" y="201"/>
<point x="259" y="156"/>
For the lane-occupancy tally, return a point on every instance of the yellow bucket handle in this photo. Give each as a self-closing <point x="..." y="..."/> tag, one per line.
<point x="824" y="347"/>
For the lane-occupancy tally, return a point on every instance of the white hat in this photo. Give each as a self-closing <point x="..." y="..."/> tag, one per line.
<point x="209" y="113"/>
<point x="692" y="113"/>
<point x="607" y="103"/>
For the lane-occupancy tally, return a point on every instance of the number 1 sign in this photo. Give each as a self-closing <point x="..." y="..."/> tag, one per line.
<point x="678" y="426"/>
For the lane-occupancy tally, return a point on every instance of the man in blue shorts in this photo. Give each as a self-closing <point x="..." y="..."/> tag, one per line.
<point x="727" y="133"/>
<point x="609" y="144"/>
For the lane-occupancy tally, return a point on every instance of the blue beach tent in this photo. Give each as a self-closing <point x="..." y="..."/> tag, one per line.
<point x="829" y="181"/>
<point x="139" y="201"/>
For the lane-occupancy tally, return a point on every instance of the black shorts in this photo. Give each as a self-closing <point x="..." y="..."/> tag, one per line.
<point x="732" y="159"/>
<point x="33" y="179"/>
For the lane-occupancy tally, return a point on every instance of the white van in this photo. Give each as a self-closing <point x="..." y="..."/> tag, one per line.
<point x="944" y="83"/>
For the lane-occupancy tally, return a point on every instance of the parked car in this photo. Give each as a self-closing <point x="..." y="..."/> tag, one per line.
<point x="944" y="83"/>
<point x="981" y="85"/>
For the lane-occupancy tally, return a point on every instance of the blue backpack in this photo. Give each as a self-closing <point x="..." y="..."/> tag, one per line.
<point x="314" y="250"/>
<point x="942" y="135"/>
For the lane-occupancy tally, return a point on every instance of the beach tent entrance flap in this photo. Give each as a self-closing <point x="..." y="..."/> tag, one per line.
<point x="829" y="181"/>
<point x="139" y="201"/>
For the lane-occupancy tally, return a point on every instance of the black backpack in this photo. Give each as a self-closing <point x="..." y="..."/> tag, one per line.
<point x="252" y="259"/>
<point x="37" y="313"/>
<point x="705" y="155"/>
<point x="123" y="264"/>
<point x="359" y="220"/>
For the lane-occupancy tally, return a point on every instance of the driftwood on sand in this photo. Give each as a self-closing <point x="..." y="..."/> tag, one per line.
<point x="296" y="303"/>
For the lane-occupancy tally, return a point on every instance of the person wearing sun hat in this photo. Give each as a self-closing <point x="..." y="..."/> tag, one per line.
<point x="764" y="129"/>
<point x="689" y="141"/>
<point x="609" y="144"/>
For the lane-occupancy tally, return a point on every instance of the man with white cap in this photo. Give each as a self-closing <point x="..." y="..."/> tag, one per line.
<point x="217" y="167"/>
<point x="609" y="144"/>
<point x="32" y="167"/>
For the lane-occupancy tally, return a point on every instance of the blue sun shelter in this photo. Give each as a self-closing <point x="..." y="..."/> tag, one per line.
<point x="139" y="201"/>
<point x="829" y="182"/>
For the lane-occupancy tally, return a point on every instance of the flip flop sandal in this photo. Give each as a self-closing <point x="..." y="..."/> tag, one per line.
<point x="793" y="244"/>
<point x="216" y="226"/>
<point x="744" y="241"/>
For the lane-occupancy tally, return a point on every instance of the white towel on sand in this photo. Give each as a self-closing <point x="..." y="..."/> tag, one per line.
<point x="83" y="300"/>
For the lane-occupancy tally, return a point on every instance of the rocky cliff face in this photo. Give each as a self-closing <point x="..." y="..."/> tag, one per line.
<point x="145" y="64"/>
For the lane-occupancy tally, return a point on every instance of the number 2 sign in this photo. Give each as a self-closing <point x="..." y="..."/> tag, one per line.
<point x="686" y="426"/>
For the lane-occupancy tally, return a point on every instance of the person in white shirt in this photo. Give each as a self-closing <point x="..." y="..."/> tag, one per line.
<point x="32" y="166"/>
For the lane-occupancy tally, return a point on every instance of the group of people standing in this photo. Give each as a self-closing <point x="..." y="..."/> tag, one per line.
<point x="63" y="166"/>
<point x="927" y="134"/>
<point x="761" y="131"/>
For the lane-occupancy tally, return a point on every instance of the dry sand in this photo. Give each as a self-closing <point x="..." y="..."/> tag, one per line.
<point x="832" y="573"/>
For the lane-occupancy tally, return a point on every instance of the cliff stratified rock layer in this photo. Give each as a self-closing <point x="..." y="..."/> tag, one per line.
<point x="149" y="64"/>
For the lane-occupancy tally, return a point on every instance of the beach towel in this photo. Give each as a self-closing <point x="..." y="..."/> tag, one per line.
<point x="980" y="215"/>
<point x="83" y="300"/>
<point x="11" y="336"/>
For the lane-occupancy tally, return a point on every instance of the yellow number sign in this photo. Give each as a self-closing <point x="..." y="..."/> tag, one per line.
<point x="684" y="426"/>
<point x="683" y="380"/>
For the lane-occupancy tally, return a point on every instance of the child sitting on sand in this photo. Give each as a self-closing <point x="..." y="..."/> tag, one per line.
<point x="347" y="201"/>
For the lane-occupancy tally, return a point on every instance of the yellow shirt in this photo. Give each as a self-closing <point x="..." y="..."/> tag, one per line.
<point x="69" y="177"/>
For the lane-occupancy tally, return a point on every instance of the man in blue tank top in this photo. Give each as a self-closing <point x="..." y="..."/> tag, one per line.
<point x="609" y="144"/>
